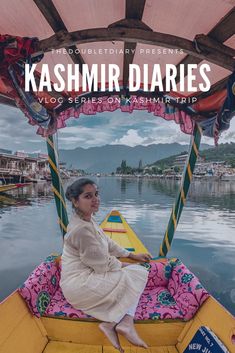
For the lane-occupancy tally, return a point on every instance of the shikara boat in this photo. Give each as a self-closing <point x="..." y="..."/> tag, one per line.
<point x="68" y="330"/>
<point x="8" y="187"/>
<point x="4" y="188"/>
<point x="139" y="32"/>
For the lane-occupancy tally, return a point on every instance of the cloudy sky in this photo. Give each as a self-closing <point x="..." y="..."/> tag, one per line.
<point x="138" y="128"/>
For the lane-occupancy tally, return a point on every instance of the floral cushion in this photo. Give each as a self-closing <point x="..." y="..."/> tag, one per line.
<point x="186" y="289"/>
<point x="159" y="273"/>
<point x="180" y="298"/>
<point x="41" y="286"/>
<point x="59" y="307"/>
<point x="157" y="303"/>
<point x="172" y="292"/>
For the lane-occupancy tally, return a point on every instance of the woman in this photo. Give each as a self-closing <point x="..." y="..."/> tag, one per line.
<point x="92" y="277"/>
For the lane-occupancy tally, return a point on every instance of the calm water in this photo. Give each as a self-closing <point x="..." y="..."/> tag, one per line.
<point x="205" y="238"/>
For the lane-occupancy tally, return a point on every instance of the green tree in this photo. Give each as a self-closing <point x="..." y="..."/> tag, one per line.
<point x="176" y="169"/>
<point x="140" y="164"/>
<point x="123" y="166"/>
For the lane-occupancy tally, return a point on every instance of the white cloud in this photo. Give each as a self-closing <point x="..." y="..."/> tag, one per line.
<point x="138" y="128"/>
<point x="35" y="141"/>
<point x="131" y="138"/>
<point x="81" y="136"/>
<point x="37" y="151"/>
<point x="229" y="135"/>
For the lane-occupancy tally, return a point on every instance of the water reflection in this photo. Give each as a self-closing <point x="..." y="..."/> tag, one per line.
<point x="140" y="185"/>
<point x="204" y="239"/>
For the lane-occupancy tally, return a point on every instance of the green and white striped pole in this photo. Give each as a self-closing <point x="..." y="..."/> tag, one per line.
<point x="182" y="194"/>
<point x="57" y="187"/>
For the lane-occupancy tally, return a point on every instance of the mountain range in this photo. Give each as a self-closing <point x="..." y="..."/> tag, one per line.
<point x="224" y="152"/>
<point x="105" y="159"/>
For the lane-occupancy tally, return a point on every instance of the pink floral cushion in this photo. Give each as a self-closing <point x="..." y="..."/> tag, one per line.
<point x="41" y="286"/>
<point x="61" y="308"/>
<point x="157" y="303"/>
<point x="186" y="289"/>
<point x="172" y="292"/>
<point x="159" y="273"/>
<point x="180" y="298"/>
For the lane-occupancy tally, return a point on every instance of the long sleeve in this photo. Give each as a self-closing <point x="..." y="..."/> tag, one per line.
<point x="116" y="250"/>
<point x="95" y="254"/>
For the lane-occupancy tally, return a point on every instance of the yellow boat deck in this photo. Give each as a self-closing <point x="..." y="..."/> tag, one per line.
<point x="20" y="332"/>
<point x="64" y="347"/>
<point x="116" y="227"/>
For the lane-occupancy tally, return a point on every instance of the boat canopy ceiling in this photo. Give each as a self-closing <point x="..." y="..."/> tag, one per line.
<point x="125" y="32"/>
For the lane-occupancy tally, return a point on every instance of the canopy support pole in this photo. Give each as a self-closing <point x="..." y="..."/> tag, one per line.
<point x="182" y="194"/>
<point x="57" y="187"/>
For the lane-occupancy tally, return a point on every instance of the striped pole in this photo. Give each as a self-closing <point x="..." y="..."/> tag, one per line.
<point x="57" y="185"/>
<point x="182" y="194"/>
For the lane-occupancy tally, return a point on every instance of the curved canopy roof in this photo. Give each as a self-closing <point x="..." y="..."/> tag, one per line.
<point x="130" y="31"/>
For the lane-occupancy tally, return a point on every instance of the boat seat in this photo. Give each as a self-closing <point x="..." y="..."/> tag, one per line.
<point x="112" y="230"/>
<point x="172" y="292"/>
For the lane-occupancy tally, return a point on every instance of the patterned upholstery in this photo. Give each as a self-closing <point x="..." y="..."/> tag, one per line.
<point x="172" y="292"/>
<point x="41" y="286"/>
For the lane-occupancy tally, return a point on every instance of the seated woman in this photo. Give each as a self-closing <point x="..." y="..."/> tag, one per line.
<point x="92" y="277"/>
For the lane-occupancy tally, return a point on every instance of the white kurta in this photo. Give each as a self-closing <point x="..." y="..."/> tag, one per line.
<point x="92" y="278"/>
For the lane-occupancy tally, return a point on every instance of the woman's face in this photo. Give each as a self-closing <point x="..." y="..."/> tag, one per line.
<point x="88" y="201"/>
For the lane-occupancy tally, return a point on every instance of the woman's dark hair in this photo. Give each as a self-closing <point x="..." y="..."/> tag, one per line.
<point x="74" y="190"/>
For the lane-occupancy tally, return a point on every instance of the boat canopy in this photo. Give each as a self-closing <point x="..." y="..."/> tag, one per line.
<point x="124" y="33"/>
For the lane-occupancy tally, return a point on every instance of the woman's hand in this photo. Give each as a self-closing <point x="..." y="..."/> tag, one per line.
<point x="124" y="264"/>
<point x="140" y="257"/>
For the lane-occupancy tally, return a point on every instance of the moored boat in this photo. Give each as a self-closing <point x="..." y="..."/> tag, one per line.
<point x="8" y="187"/>
<point x="228" y="177"/>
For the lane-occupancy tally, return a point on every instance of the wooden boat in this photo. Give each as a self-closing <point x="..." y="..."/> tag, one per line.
<point x="8" y="187"/>
<point x="4" y="188"/>
<point x="153" y="23"/>
<point x="23" y="332"/>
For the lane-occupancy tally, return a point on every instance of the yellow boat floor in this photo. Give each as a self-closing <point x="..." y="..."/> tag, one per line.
<point x="67" y="347"/>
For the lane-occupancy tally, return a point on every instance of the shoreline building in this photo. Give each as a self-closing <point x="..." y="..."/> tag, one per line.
<point x="21" y="167"/>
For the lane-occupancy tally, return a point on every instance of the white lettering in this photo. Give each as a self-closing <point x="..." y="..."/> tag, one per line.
<point x="171" y="73"/>
<point x="202" y="69"/>
<point x="29" y="78"/>
<point x="45" y="81"/>
<point x="57" y="70"/>
<point x="90" y="78"/>
<point x="134" y="77"/>
<point x="156" y="78"/>
<point x="191" y="77"/>
<point x="114" y="73"/>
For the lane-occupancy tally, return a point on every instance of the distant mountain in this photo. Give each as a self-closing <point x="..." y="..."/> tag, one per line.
<point x="3" y="150"/>
<point x="224" y="152"/>
<point x="106" y="159"/>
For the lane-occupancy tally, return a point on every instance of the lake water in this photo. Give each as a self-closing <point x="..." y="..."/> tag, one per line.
<point x="204" y="240"/>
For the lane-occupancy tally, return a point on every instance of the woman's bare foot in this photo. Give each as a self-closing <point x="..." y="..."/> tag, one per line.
<point x="126" y="328"/>
<point x="108" y="328"/>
